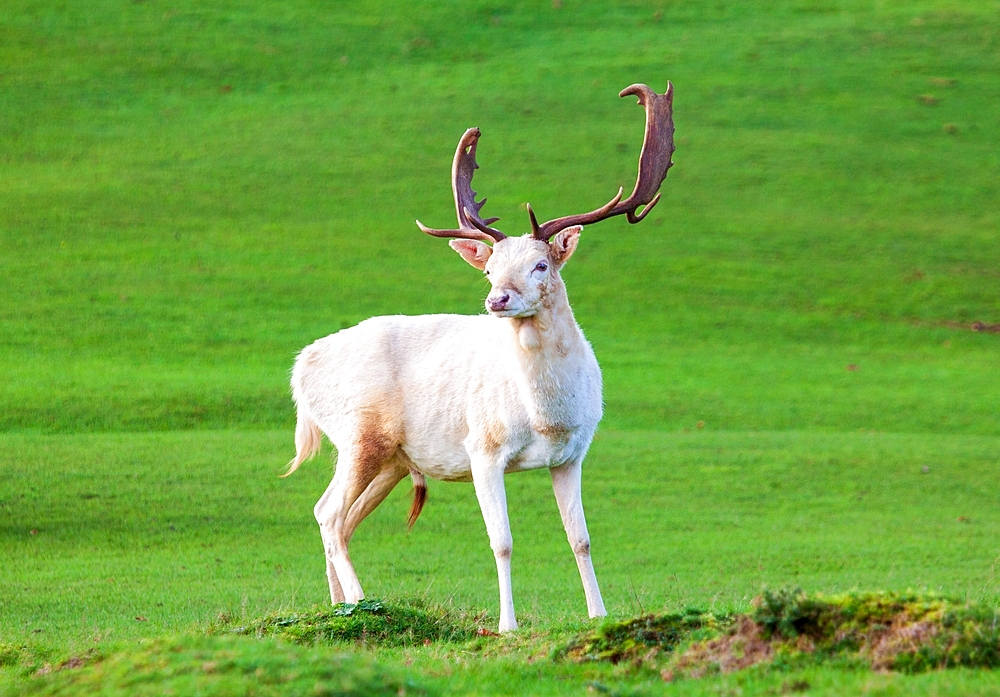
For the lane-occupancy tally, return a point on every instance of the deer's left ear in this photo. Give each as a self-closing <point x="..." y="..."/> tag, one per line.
<point x="564" y="244"/>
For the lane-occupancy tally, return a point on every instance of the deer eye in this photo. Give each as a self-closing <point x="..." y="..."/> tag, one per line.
<point x="541" y="266"/>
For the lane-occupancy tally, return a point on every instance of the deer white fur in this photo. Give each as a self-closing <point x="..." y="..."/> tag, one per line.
<point x="458" y="398"/>
<point x="462" y="398"/>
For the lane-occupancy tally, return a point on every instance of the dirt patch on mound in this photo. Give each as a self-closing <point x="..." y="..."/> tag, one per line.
<point x="740" y="648"/>
<point x="903" y="638"/>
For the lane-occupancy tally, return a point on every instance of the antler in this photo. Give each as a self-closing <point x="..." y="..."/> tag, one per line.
<point x="470" y="225"/>
<point x="657" y="149"/>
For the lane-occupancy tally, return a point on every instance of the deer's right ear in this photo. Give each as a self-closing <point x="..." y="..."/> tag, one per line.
<point x="473" y="251"/>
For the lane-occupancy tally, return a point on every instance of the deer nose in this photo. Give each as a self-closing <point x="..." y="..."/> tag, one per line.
<point x="497" y="304"/>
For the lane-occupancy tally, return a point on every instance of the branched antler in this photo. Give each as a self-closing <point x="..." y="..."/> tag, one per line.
<point x="470" y="225"/>
<point x="654" y="161"/>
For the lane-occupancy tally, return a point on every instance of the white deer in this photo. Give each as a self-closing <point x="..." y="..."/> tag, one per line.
<point x="462" y="398"/>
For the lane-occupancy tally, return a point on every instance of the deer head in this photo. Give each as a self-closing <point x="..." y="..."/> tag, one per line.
<point x="524" y="270"/>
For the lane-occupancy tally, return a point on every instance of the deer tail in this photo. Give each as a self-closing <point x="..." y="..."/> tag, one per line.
<point x="308" y="439"/>
<point x="419" y="497"/>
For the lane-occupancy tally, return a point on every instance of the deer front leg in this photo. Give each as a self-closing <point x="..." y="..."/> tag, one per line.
<point x="566" y="485"/>
<point x="488" y="480"/>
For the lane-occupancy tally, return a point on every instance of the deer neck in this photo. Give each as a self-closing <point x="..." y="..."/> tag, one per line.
<point x="550" y="334"/>
<point x="549" y="349"/>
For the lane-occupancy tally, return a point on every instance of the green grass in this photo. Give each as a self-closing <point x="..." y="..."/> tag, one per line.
<point x="191" y="193"/>
<point x="221" y="666"/>
<point x="651" y="655"/>
<point x="178" y="528"/>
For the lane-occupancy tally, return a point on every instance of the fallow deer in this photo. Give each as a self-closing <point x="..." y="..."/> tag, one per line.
<point x="461" y="398"/>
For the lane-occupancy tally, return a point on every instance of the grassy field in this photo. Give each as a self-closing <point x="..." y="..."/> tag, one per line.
<point x="190" y="193"/>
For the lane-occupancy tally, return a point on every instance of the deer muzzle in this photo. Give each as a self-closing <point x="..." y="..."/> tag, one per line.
<point x="497" y="303"/>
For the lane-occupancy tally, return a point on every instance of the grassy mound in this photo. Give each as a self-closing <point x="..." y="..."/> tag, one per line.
<point x="370" y="621"/>
<point x="643" y="638"/>
<point x="904" y="632"/>
<point x="908" y="633"/>
<point x="218" y="666"/>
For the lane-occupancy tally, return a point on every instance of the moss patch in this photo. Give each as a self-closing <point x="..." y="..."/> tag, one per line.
<point x="371" y="622"/>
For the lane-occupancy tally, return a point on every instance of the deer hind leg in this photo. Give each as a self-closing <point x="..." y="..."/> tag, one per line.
<point x="566" y="485"/>
<point x="358" y="465"/>
<point x="385" y="481"/>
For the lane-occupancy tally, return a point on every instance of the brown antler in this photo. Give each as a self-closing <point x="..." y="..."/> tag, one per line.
<point x="470" y="225"/>
<point x="657" y="149"/>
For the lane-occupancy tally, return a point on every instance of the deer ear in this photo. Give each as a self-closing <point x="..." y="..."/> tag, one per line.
<point x="564" y="244"/>
<point x="475" y="252"/>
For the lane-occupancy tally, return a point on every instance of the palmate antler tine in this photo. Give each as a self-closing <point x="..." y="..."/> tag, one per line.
<point x="470" y="225"/>
<point x="634" y="217"/>
<point x="654" y="161"/>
